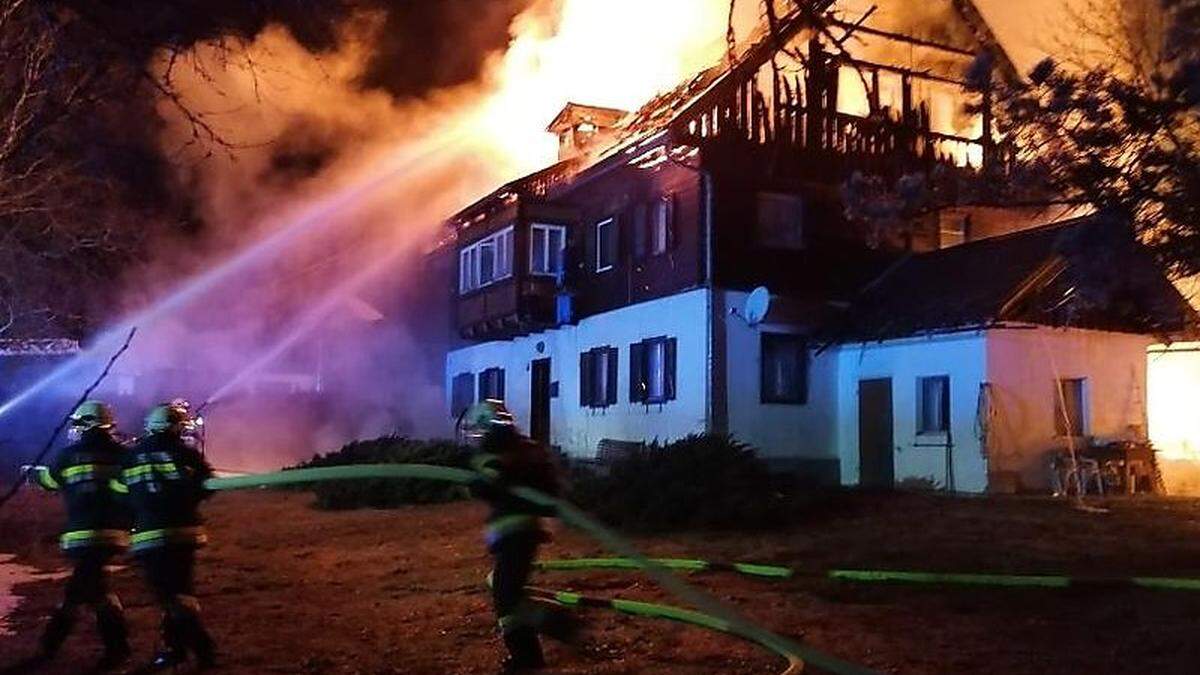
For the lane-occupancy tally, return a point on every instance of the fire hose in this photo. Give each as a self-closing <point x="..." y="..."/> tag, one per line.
<point x="884" y="576"/>
<point x="709" y="614"/>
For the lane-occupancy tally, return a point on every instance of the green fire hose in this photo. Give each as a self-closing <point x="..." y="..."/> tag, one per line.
<point x="710" y="614"/>
<point x="884" y="576"/>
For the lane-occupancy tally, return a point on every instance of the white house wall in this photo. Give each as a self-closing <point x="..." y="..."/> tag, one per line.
<point x="577" y="430"/>
<point x="806" y="431"/>
<point x="963" y="358"/>
<point x="1023" y="365"/>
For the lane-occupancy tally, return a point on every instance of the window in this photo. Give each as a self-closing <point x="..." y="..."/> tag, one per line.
<point x="598" y="377"/>
<point x="606" y="244"/>
<point x="1070" y="407"/>
<point x="780" y="220"/>
<point x="653" y="226"/>
<point x="462" y="393"/>
<point x="652" y="370"/>
<point x="491" y="384"/>
<point x="662" y="221"/>
<point x="933" y="405"/>
<point x="547" y="245"/>
<point x="784" y="376"/>
<point x="486" y="261"/>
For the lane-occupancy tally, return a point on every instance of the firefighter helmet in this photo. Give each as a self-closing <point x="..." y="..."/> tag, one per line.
<point x="165" y="418"/>
<point x="93" y="415"/>
<point x="485" y="416"/>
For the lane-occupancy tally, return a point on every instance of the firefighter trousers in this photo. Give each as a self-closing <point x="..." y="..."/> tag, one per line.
<point x="88" y="585"/>
<point x="170" y="572"/>
<point x="513" y="562"/>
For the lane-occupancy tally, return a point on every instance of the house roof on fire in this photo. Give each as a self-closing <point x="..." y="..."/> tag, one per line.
<point x="1086" y="273"/>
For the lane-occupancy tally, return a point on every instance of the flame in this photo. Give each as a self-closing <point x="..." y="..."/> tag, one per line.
<point x="612" y="53"/>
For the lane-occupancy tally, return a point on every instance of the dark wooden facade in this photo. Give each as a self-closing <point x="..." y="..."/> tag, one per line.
<point x="713" y="147"/>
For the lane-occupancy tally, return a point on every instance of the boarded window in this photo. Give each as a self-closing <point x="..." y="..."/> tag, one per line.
<point x="598" y="377"/>
<point x="462" y="393"/>
<point x="491" y="384"/>
<point x="652" y="370"/>
<point x="784" y="377"/>
<point x="1070" y="407"/>
<point x="933" y="405"/>
<point x="606" y="244"/>
<point x="780" y="221"/>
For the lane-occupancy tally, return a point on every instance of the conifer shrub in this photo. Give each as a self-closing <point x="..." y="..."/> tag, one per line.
<point x="388" y="493"/>
<point x="703" y="481"/>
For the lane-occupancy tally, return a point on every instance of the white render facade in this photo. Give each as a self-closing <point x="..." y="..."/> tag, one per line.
<point x="999" y="425"/>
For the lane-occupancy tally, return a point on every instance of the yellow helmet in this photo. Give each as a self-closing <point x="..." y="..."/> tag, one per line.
<point x="484" y="416"/>
<point x="93" y="415"/>
<point x="165" y="418"/>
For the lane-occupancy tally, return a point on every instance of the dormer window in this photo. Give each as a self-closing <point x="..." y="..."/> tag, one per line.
<point x="486" y="261"/>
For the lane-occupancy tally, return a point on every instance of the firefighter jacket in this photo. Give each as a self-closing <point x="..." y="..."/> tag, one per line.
<point x="165" y="481"/>
<point x="507" y="460"/>
<point x="82" y="471"/>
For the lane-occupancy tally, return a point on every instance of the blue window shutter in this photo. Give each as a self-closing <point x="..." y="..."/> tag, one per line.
<point x="610" y="396"/>
<point x="637" y="373"/>
<point x="669" y="369"/>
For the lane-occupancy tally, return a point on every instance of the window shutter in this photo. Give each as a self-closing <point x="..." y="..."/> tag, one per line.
<point x="500" y="392"/>
<point x="585" y="379"/>
<point x="640" y="231"/>
<point x="669" y="385"/>
<point x="483" y="392"/>
<point x="610" y="396"/>
<point x="637" y="372"/>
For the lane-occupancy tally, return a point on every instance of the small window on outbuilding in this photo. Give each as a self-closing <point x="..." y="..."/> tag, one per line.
<point x="1070" y="407"/>
<point x="784" y="374"/>
<point x="933" y="404"/>
<point x="462" y="393"/>
<point x="491" y="384"/>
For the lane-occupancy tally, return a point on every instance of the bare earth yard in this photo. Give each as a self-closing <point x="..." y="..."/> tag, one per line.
<point x="287" y="589"/>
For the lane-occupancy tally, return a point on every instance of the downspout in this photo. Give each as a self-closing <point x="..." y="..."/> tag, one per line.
<point x="712" y="311"/>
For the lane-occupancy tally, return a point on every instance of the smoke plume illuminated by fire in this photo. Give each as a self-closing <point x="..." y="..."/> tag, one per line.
<point x="315" y="342"/>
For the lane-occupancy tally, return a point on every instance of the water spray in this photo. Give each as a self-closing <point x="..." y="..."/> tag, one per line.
<point x="315" y="217"/>
<point x="67" y="418"/>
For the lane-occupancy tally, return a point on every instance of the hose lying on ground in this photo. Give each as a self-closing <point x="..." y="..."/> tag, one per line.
<point x="710" y="615"/>
<point x="883" y="576"/>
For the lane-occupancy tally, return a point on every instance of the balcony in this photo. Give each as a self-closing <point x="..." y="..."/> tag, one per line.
<point x="506" y="309"/>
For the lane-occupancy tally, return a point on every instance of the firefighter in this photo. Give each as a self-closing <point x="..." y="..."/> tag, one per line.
<point x="165" y="480"/>
<point x="506" y="459"/>
<point x="96" y="530"/>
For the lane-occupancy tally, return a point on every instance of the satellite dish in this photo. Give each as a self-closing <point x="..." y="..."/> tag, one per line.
<point x="758" y="303"/>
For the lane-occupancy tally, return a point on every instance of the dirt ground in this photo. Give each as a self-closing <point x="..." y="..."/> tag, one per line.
<point x="287" y="589"/>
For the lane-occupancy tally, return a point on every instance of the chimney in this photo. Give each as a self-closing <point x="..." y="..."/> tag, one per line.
<point x="585" y="130"/>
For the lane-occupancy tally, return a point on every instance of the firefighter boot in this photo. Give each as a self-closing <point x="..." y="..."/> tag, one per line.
<point x="110" y="618"/>
<point x="197" y="638"/>
<point x="173" y="651"/>
<point x="524" y="651"/>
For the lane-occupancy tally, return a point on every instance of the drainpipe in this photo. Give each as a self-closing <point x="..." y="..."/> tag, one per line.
<point x="713" y="309"/>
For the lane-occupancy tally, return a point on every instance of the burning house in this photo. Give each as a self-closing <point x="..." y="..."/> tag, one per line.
<point x="610" y="298"/>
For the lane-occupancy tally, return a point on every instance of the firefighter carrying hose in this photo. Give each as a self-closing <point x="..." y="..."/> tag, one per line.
<point x="507" y="459"/>
<point x="165" y="481"/>
<point x="96" y="531"/>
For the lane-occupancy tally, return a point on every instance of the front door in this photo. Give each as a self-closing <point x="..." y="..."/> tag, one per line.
<point x="876" y="463"/>
<point x="539" y="401"/>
